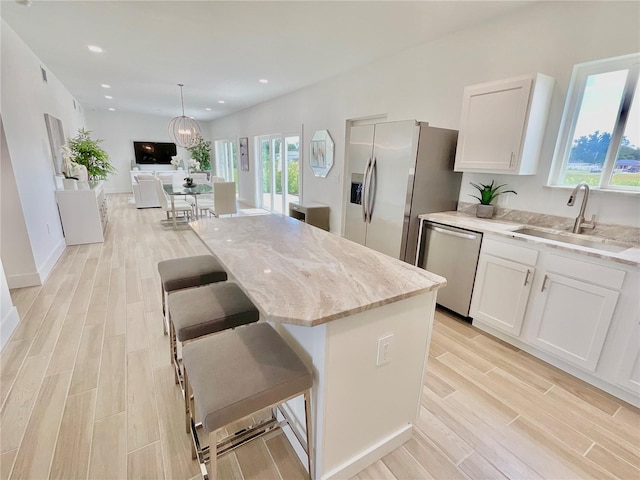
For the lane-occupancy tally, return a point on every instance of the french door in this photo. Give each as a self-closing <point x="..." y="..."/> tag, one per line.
<point x="279" y="171"/>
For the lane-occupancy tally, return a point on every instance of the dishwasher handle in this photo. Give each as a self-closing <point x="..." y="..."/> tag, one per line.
<point x="466" y="236"/>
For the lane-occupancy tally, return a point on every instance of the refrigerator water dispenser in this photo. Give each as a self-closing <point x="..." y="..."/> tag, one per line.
<point x="356" y="188"/>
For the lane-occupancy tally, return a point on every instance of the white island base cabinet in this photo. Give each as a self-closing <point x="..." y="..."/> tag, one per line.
<point x="83" y="214"/>
<point x="363" y="410"/>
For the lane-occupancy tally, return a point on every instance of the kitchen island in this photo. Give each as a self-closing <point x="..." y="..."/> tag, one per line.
<point x="361" y="319"/>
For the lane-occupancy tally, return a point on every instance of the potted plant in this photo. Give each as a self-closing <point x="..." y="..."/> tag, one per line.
<point x="201" y="152"/>
<point x="87" y="152"/>
<point x="488" y="193"/>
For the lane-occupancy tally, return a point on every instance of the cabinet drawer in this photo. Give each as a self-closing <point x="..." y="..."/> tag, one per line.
<point x="509" y="251"/>
<point x="590" y="272"/>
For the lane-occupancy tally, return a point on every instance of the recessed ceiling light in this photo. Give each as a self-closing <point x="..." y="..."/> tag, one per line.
<point x="220" y="101"/>
<point x="263" y="80"/>
<point x="109" y="97"/>
<point x="208" y="109"/>
<point x="104" y="85"/>
<point x="112" y="109"/>
<point x="94" y="48"/>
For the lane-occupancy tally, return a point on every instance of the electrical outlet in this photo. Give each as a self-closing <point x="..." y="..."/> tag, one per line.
<point x="385" y="349"/>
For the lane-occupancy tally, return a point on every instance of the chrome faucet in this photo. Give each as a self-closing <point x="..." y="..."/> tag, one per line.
<point x="580" y="222"/>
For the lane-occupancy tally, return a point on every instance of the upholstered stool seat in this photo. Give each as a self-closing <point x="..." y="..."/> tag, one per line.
<point x="202" y="311"/>
<point x="187" y="272"/>
<point x="235" y="374"/>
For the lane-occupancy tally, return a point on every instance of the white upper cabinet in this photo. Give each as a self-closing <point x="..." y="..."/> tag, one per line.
<point x="502" y="125"/>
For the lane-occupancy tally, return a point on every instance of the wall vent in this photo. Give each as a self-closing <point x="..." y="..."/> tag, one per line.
<point x="44" y="74"/>
<point x="74" y="104"/>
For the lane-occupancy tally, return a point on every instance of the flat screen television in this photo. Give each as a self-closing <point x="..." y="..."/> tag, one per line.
<point x="149" y="153"/>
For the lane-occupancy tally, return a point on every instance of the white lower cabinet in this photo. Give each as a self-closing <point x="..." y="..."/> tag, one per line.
<point x="501" y="293"/>
<point x="83" y="214"/>
<point x="574" y="311"/>
<point x="629" y="372"/>
<point x="570" y="318"/>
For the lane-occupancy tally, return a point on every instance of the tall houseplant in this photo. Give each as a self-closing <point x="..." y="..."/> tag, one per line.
<point x="87" y="152"/>
<point x="488" y="193"/>
<point x="201" y="152"/>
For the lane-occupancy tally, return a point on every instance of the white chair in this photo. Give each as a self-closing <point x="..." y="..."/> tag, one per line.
<point x="145" y="193"/>
<point x="224" y="198"/>
<point x="165" y="203"/>
<point x="199" y="178"/>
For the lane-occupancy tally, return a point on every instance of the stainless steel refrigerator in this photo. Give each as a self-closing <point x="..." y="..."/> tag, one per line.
<point x="396" y="171"/>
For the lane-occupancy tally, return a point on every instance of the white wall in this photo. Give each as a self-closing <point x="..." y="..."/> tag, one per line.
<point x="9" y="317"/>
<point x="25" y="98"/>
<point x="119" y="130"/>
<point x="426" y="83"/>
<point x="15" y="247"/>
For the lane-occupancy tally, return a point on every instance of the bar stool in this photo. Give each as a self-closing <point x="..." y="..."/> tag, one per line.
<point x="235" y="374"/>
<point x="196" y="312"/>
<point x="187" y="272"/>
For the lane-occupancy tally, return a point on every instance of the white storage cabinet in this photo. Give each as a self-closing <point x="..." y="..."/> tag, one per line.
<point x="573" y="308"/>
<point x="83" y="214"/>
<point x="503" y="282"/>
<point x="502" y="125"/>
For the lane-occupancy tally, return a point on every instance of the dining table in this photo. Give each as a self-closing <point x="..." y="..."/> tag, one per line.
<point x="174" y="190"/>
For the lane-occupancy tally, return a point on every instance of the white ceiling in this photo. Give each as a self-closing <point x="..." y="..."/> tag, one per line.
<point x="220" y="50"/>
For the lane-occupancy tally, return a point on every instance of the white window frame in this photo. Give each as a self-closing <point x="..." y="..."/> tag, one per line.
<point x="581" y="73"/>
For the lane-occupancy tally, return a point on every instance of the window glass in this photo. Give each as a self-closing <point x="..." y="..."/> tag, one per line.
<point x="596" y="120"/>
<point x="626" y="171"/>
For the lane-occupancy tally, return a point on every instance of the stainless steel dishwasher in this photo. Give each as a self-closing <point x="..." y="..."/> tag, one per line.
<point x="452" y="253"/>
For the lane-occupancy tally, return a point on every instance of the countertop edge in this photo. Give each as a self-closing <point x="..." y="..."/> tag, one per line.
<point x="506" y="229"/>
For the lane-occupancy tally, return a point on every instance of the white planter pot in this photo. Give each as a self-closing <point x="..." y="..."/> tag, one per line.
<point x="70" y="184"/>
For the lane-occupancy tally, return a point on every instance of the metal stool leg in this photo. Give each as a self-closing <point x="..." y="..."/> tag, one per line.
<point x="164" y="310"/>
<point x="310" y="449"/>
<point x="213" y="460"/>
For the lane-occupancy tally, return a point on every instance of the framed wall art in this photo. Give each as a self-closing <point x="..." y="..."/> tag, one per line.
<point x="244" y="154"/>
<point x="56" y="140"/>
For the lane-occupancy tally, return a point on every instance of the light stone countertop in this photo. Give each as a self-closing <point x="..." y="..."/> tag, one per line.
<point x="302" y="275"/>
<point x="630" y="256"/>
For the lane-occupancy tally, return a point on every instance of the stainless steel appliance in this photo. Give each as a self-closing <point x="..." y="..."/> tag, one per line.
<point x="398" y="170"/>
<point x="452" y="253"/>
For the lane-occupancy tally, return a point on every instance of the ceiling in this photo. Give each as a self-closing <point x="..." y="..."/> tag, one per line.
<point x="219" y="50"/>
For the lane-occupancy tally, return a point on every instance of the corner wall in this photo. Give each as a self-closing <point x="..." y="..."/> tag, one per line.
<point x="25" y="98"/>
<point x="426" y="83"/>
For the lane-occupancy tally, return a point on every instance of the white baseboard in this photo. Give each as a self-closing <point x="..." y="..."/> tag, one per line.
<point x="45" y="269"/>
<point x="7" y="325"/>
<point x="23" y="280"/>
<point x="371" y="455"/>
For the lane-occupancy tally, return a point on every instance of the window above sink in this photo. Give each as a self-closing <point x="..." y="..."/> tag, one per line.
<point x="599" y="140"/>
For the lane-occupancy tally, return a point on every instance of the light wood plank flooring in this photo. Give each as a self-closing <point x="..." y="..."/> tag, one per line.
<point x="87" y="390"/>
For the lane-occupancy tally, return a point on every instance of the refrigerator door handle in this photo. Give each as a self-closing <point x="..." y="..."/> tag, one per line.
<point x="372" y="187"/>
<point x="365" y="191"/>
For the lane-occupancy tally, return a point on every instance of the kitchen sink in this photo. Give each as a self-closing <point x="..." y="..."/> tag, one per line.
<point x="573" y="239"/>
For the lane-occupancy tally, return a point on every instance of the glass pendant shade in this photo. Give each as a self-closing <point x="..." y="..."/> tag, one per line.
<point x="183" y="131"/>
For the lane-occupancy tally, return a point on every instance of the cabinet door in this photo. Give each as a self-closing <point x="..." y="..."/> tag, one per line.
<point x="492" y="126"/>
<point x="630" y="363"/>
<point x="570" y="319"/>
<point x="501" y="292"/>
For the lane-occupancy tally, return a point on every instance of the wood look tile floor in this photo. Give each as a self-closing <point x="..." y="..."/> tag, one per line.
<point x="87" y="390"/>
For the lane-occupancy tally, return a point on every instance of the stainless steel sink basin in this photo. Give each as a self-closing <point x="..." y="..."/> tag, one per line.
<point x="573" y="239"/>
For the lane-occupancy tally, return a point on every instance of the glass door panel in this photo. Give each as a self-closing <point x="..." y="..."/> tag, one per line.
<point x="277" y="175"/>
<point x="292" y="171"/>
<point x="267" y="175"/>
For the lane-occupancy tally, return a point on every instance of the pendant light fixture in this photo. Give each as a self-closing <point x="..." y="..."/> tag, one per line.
<point x="183" y="131"/>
